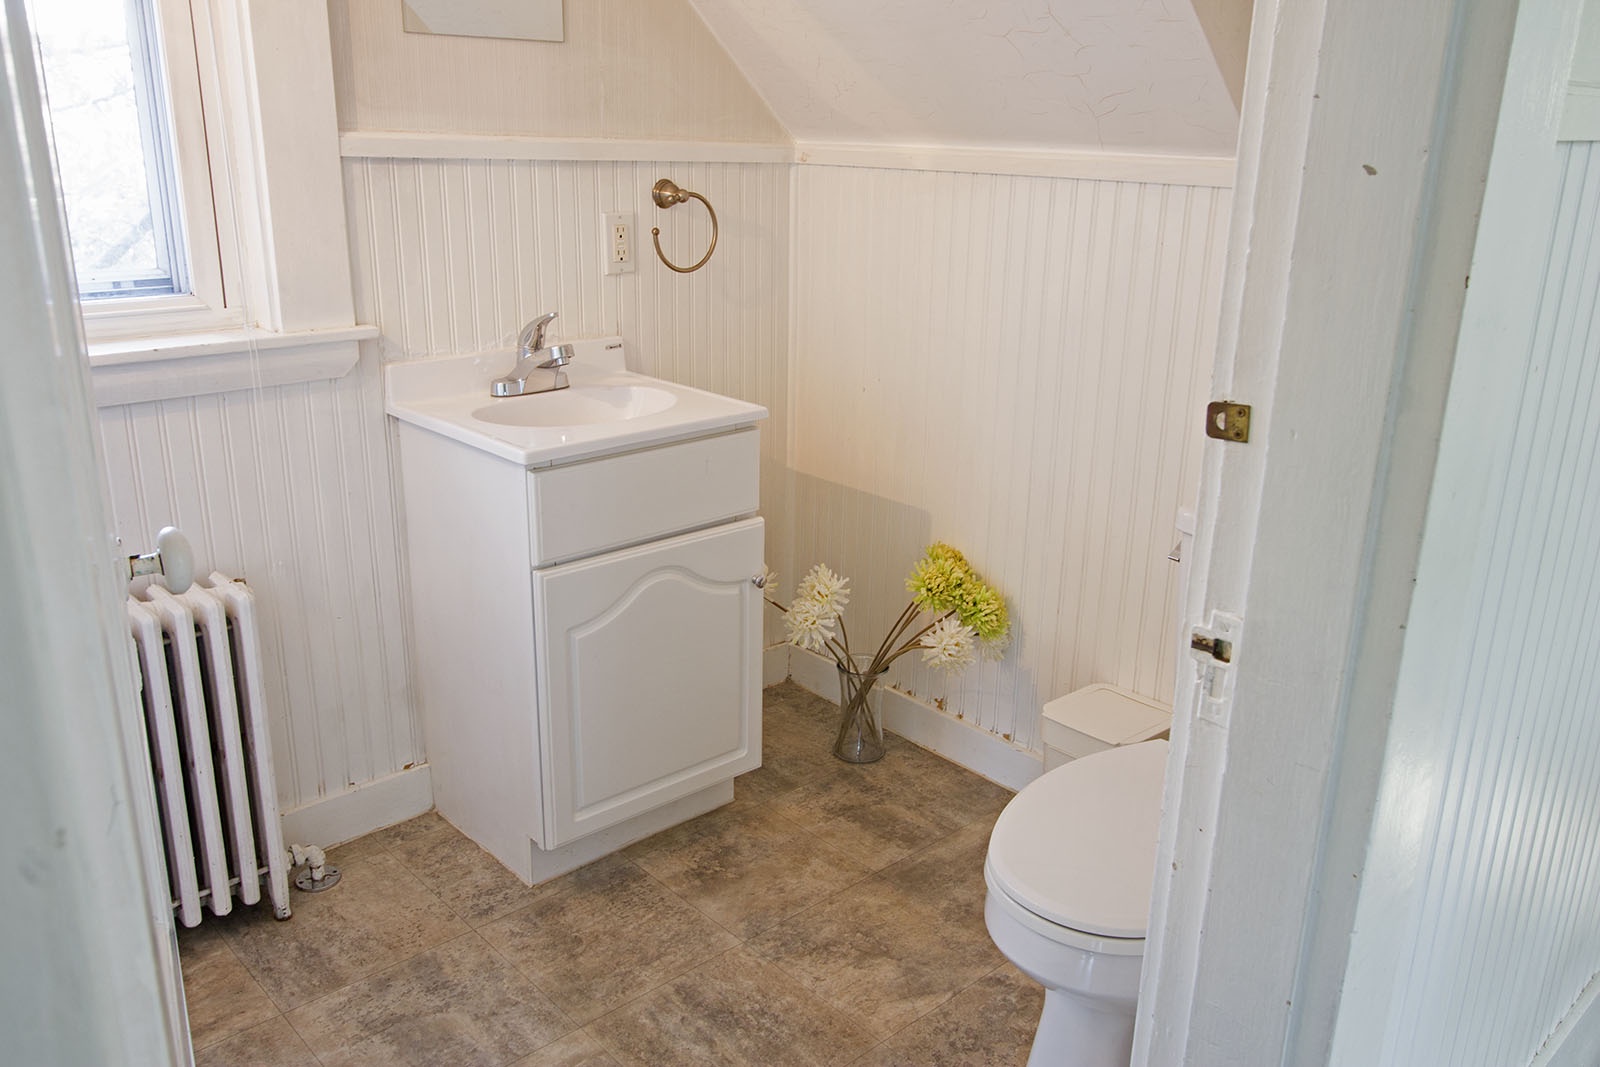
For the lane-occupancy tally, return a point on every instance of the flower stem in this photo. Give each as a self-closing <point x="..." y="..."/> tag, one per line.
<point x="911" y="644"/>
<point x="906" y="618"/>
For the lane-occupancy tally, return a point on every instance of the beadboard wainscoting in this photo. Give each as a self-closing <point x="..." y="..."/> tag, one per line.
<point x="288" y="487"/>
<point x="1500" y="839"/>
<point x="1018" y="366"/>
<point x="453" y="255"/>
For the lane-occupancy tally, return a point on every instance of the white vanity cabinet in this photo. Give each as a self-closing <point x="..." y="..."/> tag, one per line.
<point x="587" y="639"/>
<point x="646" y="665"/>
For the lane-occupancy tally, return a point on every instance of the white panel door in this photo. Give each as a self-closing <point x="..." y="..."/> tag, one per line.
<point x="649" y="675"/>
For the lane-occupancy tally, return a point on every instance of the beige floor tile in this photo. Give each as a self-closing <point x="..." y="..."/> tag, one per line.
<point x="736" y="1010"/>
<point x="458" y="1003"/>
<point x="951" y="794"/>
<point x="746" y="868"/>
<point x="760" y="785"/>
<point x="947" y="875"/>
<point x="473" y="883"/>
<point x="221" y="996"/>
<point x="375" y="917"/>
<point x="385" y="966"/>
<point x="791" y="759"/>
<point x="360" y="848"/>
<point x="429" y="822"/>
<point x="875" y="954"/>
<point x="270" y="1044"/>
<point x="868" y="812"/>
<point x="988" y="1024"/>
<point x="604" y="934"/>
<point x="578" y="1049"/>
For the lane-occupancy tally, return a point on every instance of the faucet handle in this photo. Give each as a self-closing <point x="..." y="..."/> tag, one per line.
<point x="532" y="337"/>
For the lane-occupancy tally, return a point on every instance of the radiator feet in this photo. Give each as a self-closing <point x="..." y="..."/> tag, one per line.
<point x="315" y="874"/>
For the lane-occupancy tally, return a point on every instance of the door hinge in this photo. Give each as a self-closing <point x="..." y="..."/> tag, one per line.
<point x="1228" y="421"/>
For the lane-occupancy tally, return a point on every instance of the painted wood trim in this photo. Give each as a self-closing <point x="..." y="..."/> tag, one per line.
<point x="393" y="144"/>
<point x="1576" y="1040"/>
<point x="131" y="372"/>
<point x="1580" y="117"/>
<point x="369" y="806"/>
<point x="1208" y="171"/>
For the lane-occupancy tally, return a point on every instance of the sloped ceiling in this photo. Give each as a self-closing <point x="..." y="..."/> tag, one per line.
<point x="1119" y="75"/>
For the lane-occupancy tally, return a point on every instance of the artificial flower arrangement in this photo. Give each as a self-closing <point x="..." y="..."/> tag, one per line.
<point x="952" y="611"/>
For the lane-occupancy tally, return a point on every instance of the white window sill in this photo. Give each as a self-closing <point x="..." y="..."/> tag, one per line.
<point x="165" y="368"/>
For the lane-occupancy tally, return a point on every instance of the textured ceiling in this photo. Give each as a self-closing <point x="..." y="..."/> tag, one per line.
<point x="1121" y="75"/>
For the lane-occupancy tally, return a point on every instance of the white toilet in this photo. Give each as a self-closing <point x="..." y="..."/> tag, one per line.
<point x="1070" y="867"/>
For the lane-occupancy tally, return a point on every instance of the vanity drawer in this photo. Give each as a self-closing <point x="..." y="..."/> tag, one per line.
<point x="585" y="508"/>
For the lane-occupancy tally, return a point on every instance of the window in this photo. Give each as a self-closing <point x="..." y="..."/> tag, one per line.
<point x="125" y="98"/>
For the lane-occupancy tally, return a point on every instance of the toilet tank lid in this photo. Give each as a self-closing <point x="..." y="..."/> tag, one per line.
<point x="1108" y="714"/>
<point x="1078" y="845"/>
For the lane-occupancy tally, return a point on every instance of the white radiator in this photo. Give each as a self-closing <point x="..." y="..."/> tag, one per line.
<point x="200" y="663"/>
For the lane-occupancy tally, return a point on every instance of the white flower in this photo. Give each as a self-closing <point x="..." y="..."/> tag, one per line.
<point x="949" y="645"/>
<point x="829" y="591"/>
<point x="767" y="580"/>
<point x="808" y="626"/>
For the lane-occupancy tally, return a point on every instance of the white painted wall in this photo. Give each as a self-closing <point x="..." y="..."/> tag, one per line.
<point x="1094" y="74"/>
<point x="289" y="489"/>
<point x="290" y="486"/>
<point x="1016" y="366"/>
<point x="627" y="69"/>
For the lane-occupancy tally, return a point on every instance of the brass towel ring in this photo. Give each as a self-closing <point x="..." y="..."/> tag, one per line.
<point x="666" y="193"/>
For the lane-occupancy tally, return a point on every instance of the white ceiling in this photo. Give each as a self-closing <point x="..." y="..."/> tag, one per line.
<point x="1120" y="75"/>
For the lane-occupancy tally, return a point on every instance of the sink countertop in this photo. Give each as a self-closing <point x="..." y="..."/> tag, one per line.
<point x="443" y="395"/>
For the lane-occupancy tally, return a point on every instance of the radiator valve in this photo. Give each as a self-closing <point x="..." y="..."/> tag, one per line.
<point x="316" y="875"/>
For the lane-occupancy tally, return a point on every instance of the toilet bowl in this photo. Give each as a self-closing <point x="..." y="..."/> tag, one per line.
<point x="1069" y="871"/>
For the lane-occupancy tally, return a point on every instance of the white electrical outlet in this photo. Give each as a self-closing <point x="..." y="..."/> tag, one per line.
<point x="618" y="242"/>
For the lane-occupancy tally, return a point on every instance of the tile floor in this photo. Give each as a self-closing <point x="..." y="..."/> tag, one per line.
<point x="830" y="915"/>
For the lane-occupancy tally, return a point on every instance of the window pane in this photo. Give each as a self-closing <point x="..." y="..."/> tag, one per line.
<point x="106" y="109"/>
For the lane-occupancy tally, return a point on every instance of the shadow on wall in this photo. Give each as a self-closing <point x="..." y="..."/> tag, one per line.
<point x="870" y="539"/>
<point x="875" y="541"/>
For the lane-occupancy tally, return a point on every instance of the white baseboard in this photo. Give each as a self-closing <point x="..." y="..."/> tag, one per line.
<point x="367" y="807"/>
<point x="1576" y="1041"/>
<point x="923" y="724"/>
<point x="774" y="664"/>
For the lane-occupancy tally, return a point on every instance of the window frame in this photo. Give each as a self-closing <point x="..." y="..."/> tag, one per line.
<point x="204" y="209"/>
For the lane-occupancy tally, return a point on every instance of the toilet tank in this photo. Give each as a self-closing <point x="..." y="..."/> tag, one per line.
<point x="1099" y="717"/>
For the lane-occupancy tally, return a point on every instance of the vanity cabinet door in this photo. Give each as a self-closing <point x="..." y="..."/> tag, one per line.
<point x="649" y="664"/>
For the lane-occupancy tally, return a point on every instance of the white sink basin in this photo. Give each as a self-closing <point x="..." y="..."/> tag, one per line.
<point x="577" y="405"/>
<point x="606" y="409"/>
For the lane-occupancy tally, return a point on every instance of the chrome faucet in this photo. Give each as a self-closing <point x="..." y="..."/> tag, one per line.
<point x="533" y="356"/>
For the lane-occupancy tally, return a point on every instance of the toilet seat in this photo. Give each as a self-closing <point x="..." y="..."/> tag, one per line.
<point x="1029" y="920"/>
<point x="1076" y="849"/>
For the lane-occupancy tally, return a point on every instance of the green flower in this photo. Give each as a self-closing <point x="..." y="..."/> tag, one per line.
<point x="943" y="581"/>
<point x="984" y="610"/>
<point x="937" y="578"/>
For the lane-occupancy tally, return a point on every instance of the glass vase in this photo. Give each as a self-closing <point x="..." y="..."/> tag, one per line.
<point x="860" y="736"/>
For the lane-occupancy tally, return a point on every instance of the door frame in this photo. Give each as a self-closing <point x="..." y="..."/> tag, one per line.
<point x="1367" y="130"/>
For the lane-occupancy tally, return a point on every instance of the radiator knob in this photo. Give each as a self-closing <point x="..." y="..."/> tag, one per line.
<point x="177" y="558"/>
